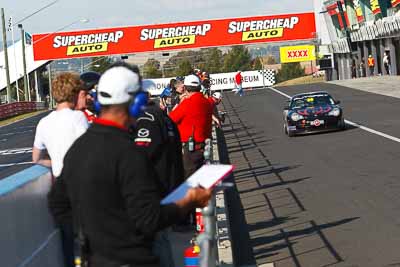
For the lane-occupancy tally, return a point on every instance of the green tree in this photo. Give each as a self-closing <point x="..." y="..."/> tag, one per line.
<point x="257" y="64"/>
<point x="290" y="71"/>
<point x="100" y="64"/>
<point x="184" y="68"/>
<point x="213" y="60"/>
<point x="151" y="69"/>
<point x="238" y="58"/>
<point x="195" y="58"/>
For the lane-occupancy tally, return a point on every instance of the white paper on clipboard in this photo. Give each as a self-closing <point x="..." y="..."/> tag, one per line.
<point x="207" y="176"/>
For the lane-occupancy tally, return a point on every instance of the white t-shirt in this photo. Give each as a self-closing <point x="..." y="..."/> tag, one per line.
<point x="57" y="132"/>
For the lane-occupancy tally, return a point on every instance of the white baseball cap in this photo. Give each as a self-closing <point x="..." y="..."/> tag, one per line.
<point x="217" y="95"/>
<point x="192" y="80"/>
<point x="116" y="86"/>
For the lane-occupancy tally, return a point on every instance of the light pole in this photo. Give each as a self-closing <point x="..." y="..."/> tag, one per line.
<point x="6" y="55"/>
<point x="11" y="28"/>
<point x="26" y="89"/>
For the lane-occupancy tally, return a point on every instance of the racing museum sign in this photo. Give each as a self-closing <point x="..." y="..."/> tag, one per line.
<point x="162" y="37"/>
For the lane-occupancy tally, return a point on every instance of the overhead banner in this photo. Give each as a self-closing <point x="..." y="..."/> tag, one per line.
<point x="210" y="33"/>
<point x="297" y="53"/>
<point x="219" y="81"/>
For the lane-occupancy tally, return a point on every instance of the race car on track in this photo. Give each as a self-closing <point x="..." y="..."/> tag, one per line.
<point x="310" y="112"/>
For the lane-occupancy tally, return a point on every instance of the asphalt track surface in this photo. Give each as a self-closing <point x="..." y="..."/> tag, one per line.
<point x="16" y="141"/>
<point x="330" y="199"/>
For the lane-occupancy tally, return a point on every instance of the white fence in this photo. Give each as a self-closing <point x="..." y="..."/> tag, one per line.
<point x="220" y="81"/>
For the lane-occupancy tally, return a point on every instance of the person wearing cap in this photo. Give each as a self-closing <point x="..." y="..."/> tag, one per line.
<point x="238" y="83"/>
<point x="194" y="118"/>
<point x="197" y="72"/>
<point x="110" y="185"/>
<point x="86" y="96"/>
<point x="215" y="100"/>
<point x="180" y="91"/>
<point x="56" y="133"/>
<point x="166" y="96"/>
<point x="371" y="65"/>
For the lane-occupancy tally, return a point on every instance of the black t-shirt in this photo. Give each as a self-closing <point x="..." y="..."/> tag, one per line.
<point x="158" y="136"/>
<point x="110" y="189"/>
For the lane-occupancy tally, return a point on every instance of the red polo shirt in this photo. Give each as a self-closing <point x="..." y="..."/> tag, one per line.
<point x="193" y="115"/>
<point x="238" y="78"/>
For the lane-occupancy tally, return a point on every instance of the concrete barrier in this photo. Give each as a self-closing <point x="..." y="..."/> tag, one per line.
<point x="224" y="238"/>
<point x="28" y="236"/>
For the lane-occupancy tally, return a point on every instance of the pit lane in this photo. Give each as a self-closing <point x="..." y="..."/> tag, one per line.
<point x="16" y="141"/>
<point x="315" y="200"/>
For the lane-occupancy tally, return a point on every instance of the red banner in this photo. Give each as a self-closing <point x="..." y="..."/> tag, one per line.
<point x="209" y="33"/>
<point x="16" y="108"/>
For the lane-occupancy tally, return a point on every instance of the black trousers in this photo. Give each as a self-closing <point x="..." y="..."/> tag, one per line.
<point x="99" y="261"/>
<point x="192" y="161"/>
<point x="67" y="240"/>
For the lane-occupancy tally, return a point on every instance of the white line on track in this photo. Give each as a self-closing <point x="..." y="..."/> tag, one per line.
<point x="15" y="164"/>
<point x="13" y="151"/>
<point x="14" y="133"/>
<point x="390" y="137"/>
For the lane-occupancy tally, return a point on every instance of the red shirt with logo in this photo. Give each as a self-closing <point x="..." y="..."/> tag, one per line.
<point x="193" y="116"/>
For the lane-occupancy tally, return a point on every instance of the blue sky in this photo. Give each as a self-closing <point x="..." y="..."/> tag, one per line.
<point x="112" y="13"/>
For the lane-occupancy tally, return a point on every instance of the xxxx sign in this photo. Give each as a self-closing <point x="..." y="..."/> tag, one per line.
<point x="297" y="53"/>
<point x="182" y="35"/>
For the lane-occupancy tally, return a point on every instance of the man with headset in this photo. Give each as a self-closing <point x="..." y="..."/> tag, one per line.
<point x="85" y="102"/>
<point x="110" y="186"/>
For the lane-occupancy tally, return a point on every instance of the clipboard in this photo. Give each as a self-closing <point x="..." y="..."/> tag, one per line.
<point x="208" y="176"/>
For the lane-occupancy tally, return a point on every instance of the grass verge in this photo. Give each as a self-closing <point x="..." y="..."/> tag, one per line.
<point x="20" y="117"/>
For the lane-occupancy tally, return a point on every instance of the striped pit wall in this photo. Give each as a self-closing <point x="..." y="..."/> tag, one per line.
<point x="28" y="236"/>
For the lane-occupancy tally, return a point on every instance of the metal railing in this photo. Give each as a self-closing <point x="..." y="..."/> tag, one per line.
<point x="216" y="236"/>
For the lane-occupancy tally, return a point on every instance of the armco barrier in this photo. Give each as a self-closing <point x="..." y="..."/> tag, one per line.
<point x="28" y="236"/>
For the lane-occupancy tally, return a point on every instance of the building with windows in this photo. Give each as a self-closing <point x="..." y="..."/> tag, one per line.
<point x="363" y="32"/>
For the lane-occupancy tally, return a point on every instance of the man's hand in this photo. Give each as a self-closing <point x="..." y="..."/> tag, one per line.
<point x="199" y="196"/>
<point x="162" y="106"/>
<point x="195" y="198"/>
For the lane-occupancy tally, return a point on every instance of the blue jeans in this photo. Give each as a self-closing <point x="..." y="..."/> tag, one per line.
<point x="239" y="89"/>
